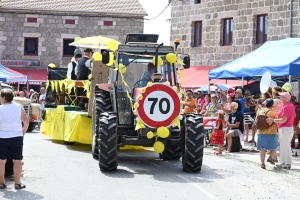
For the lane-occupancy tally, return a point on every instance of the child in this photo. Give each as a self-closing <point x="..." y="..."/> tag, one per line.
<point x="218" y="135"/>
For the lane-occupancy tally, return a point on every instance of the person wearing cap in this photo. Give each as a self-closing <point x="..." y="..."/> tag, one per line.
<point x="235" y="126"/>
<point x="267" y="138"/>
<point x="84" y="64"/>
<point x="285" y="123"/>
<point x="190" y="102"/>
<point x="72" y="67"/>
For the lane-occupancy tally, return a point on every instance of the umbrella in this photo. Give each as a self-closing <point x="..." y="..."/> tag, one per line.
<point x="213" y="88"/>
<point x="93" y="42"/>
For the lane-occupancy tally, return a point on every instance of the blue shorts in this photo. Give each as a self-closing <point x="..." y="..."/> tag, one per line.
<point x="267" y="141"/>
<point x="11" y="148"/>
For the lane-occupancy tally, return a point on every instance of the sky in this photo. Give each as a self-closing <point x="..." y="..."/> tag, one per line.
<point x="159" y="25"/>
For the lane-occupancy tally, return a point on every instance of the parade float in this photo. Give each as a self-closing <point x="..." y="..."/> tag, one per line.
<point x="135" y="98"/>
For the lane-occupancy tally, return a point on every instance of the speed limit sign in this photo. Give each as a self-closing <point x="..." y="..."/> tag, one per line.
<point x="160" y="106"/>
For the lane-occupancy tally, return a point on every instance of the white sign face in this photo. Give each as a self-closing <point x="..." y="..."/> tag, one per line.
<point x="158" y="106"/>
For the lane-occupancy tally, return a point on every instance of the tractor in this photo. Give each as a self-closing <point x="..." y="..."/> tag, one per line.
<point x="114" y="116"/>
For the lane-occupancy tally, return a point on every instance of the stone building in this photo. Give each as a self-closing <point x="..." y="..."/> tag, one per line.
<point x="214" y="32"/>
<point x="35" y="33"/>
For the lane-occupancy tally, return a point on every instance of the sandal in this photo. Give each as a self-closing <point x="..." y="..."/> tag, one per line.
<point x="20" y="186"/>
<point x="286" y="166"/>
<point x="271" y="161"/>
<point x="3" y="186"/>
<point x="217" y="153"/>
<point x="263" y="166"/>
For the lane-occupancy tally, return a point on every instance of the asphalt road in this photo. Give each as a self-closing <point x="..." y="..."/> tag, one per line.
<point x="53" y="170"/>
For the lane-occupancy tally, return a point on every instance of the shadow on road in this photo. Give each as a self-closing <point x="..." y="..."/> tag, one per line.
<point x="21" y="194"/>
<point x="131" y="164"/>
<point x="85" y="148"/>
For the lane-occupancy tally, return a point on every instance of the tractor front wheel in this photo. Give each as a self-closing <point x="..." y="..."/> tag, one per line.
<point x="192" y="154"/>
<point x="108" y="144"/>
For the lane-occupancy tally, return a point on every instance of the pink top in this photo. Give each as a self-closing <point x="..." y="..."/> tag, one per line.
<point x="201" y="102"/>
<point x="277" y="107"/>
<point x="288" y="110"/>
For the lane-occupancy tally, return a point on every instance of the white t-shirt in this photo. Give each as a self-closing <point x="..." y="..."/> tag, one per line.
<point x="10" y="121"/>
<point x="43" y="97"/>
<point x="70" y="69"/>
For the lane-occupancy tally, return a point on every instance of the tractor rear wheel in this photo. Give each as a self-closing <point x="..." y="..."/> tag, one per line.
<point x="108" y="143"/>
<point x="31" y="126"/>
<point x="101" y="103"/>
<point x="192" y="154"/>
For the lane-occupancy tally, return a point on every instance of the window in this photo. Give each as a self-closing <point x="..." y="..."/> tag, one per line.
<point x="68" y="51"/>
<point x="70" y="21"/>
<point x="31" y="20"/>
<point x="31" y="46"/>
<point x="198" y="34"/>
<point x="108" y="23"/>
<point x="227" y="31"/>
<point x="197" y="1"/>
<point x="261" y="29"/>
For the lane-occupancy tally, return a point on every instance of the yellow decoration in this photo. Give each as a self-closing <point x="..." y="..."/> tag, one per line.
<point x="167" y="82"/>
<point x="112" y="45"/>
<point x="111" y="59"/>
<point x="77" y="38"/>
<point x="97" y="56"/>
<point x="73" y="59"/>
<point x="181" y="91"/>
<point x="180" y="95"/>
<point x="182" y="102"/>
<point x="159" y="61"/>
<point x="140" y="97"/>
<point x="150" y="135"/>
<point x="163" y="132"/>
<point x="136" y="105"/>
<point x="179" y="62"/>
<point x="159" y="147"/>
<point x="134" y="112"/>
<point x="122" y="69"/>
<point x="180" y="73"/>
<point x="171" y="58"/>
<point x="51" y="65"/>
<point x="149" y="84"/>
<point x="90" y="76"/>
<point x="143" y="90"/>
<point x="182" y="111"/>
<point x="139" y="124"/>
<point x="176" y="122"/>
<point x="175" y="88"/>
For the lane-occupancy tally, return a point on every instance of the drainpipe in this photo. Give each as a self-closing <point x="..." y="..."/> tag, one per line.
<point x="291" y="9"/>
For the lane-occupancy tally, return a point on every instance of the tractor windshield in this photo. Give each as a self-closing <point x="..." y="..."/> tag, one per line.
<point x="139" y="71"/>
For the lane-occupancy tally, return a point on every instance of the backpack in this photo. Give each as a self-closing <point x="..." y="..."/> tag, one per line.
<point x="261" y="121"/>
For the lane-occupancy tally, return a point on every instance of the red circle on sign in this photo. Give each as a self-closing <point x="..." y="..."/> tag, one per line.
<point x="176" y="102"/>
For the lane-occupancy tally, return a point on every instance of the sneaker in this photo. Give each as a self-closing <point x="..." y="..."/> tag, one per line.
<point x="298" y="146"/>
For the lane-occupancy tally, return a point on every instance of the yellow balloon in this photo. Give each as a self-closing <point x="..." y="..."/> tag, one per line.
<point x="150" y="135"/>
<point x="159" y="147"/>
<point x="90" y="76"/>
<point x="111" y="59"/>
<point x="171" y="58"/>
<point x="159" y="61"/>
<point x="163" y="132"/>
<point x="51" y="65"/>
<point x="97" y="56"/>
<point x="122" y="69"/>
<point x="112" y="45"/>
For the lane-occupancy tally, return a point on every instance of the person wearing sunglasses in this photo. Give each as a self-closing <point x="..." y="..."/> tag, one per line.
<point x="190" y="102"/>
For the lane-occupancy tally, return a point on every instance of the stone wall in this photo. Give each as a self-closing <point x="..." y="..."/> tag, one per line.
<point x="243" y="12"/>
<point x="52" y="29"/>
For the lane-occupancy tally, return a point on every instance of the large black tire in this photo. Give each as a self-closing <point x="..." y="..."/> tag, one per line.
<point x="31" y="126"/>
<point x="192" y="154"/>
<point x="171" y="152"/>
<point x="108" y="143"/>
<point x="102" y="103"/>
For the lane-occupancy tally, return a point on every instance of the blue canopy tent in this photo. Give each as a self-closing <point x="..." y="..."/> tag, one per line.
<point x="7" y="75"/>
<point x="281" y="58"/>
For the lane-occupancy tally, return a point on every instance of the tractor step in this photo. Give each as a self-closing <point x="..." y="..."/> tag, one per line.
<point x="137" y="142"/>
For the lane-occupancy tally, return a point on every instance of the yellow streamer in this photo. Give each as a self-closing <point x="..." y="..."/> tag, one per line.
<point x="176" y="122"/>
<point x="180" y="73"/>
<point x="139" y="125"/>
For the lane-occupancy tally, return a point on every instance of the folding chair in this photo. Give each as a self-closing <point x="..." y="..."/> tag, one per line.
<point x="80" y="95"/>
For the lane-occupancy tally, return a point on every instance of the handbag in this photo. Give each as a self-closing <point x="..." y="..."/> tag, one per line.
<point x="261" y="121"/>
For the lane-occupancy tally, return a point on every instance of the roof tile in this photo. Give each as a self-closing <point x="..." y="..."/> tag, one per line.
<point x="114" y="6"/>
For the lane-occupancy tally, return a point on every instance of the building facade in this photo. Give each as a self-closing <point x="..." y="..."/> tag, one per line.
<point x="35" y="33"/>
<point x="214" y="32"/>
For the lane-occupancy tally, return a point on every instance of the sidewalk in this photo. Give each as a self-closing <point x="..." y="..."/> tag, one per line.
<point x="247" y="156"/>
